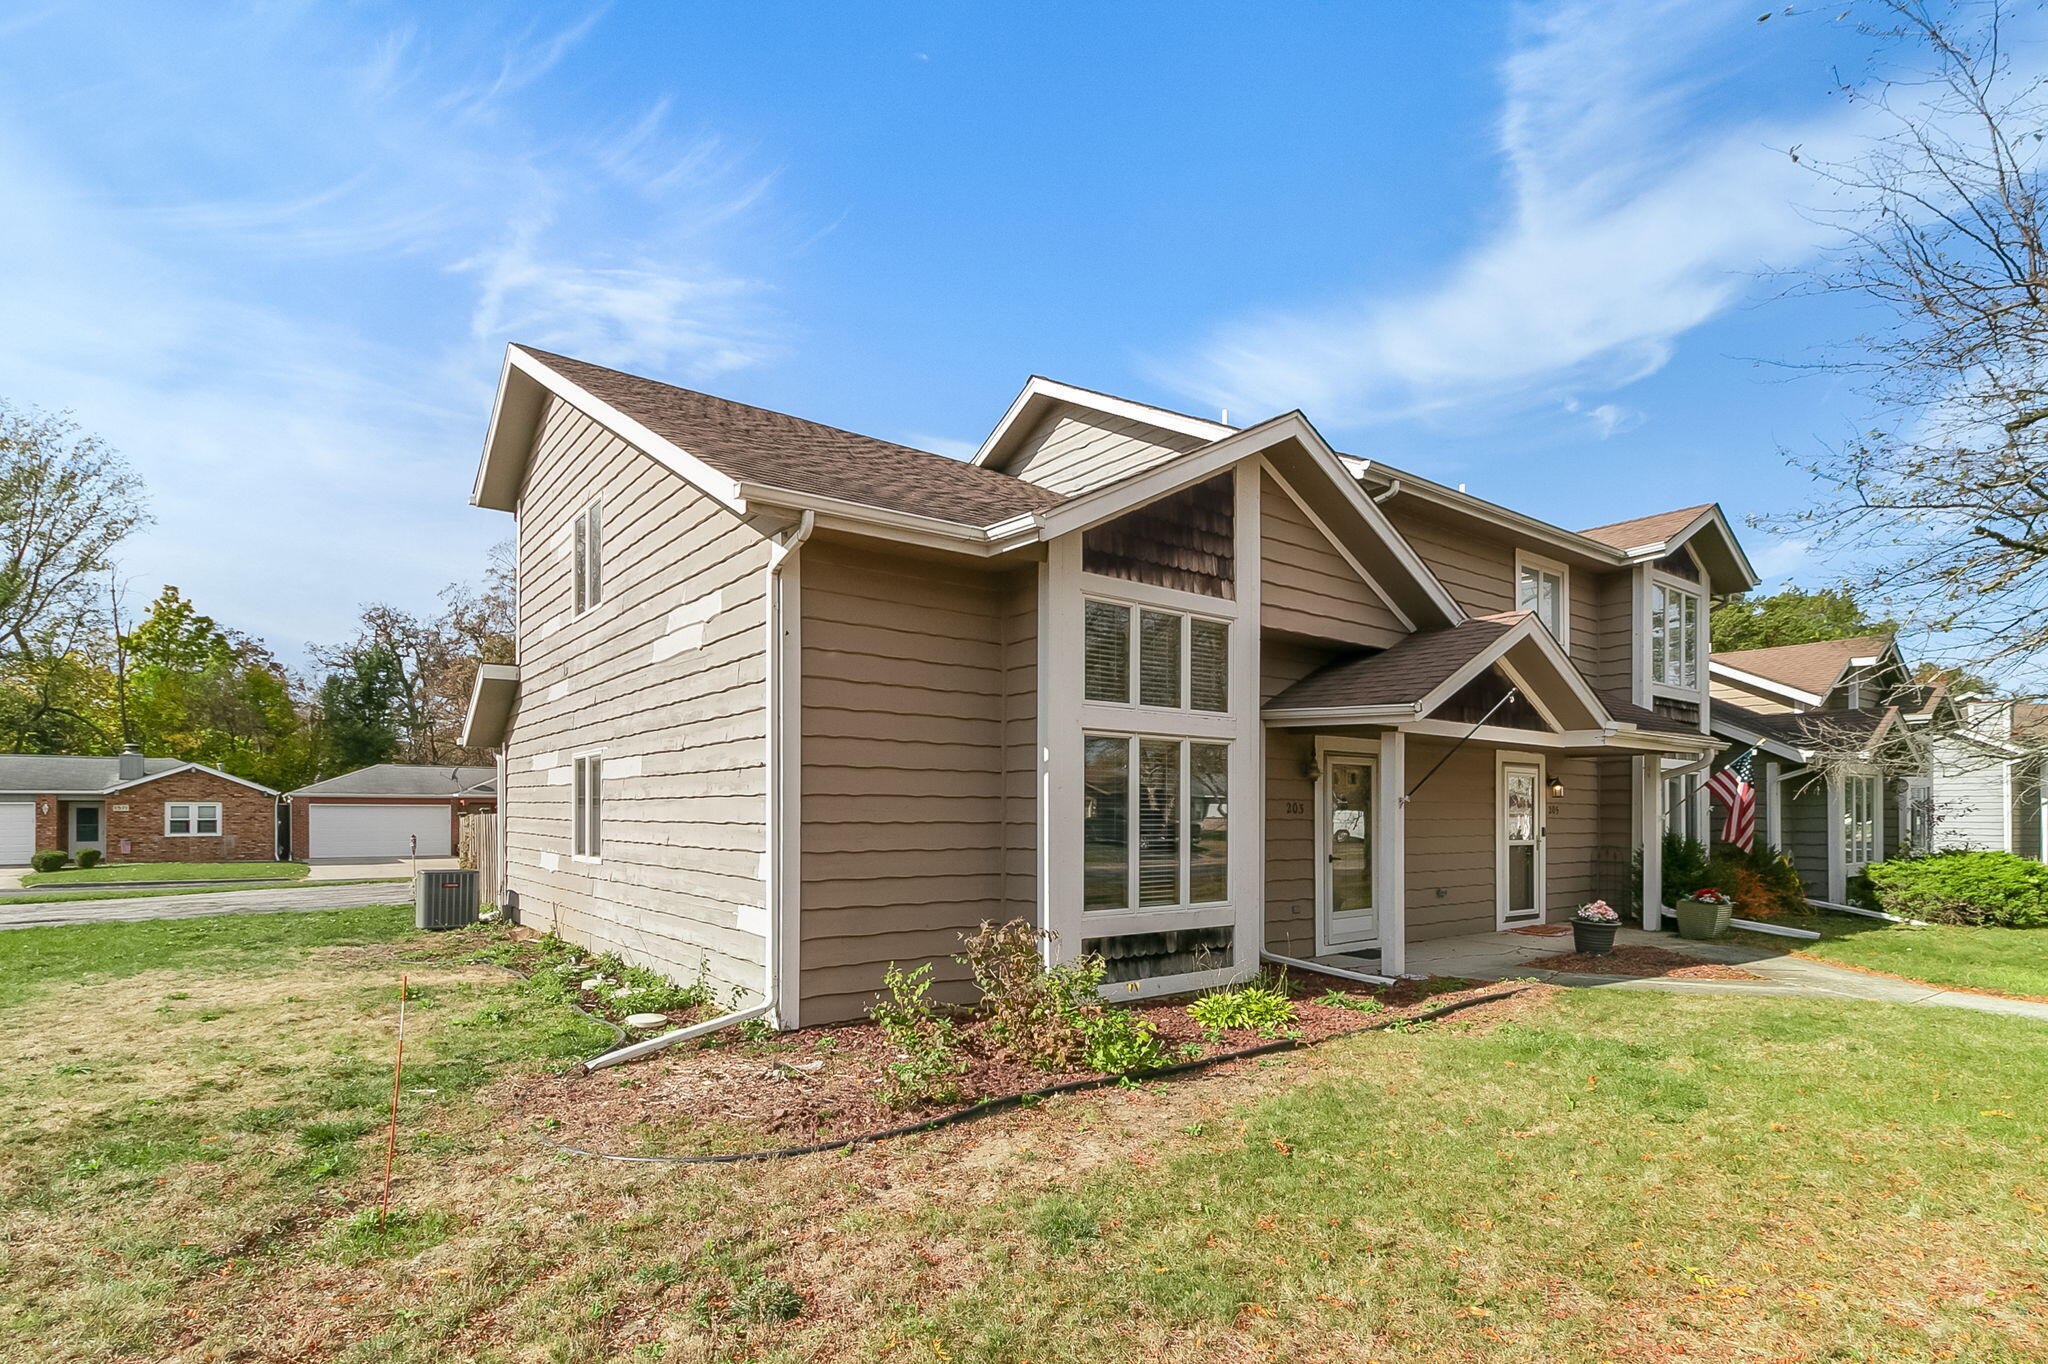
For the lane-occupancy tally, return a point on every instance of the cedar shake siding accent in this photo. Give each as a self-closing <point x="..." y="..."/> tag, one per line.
<point x="666" y="677"/>
<point x="913" y="693"/>
<point x="1306" y="587"/>
<point x="1185" y="540"/>
<point x="1073" y="449"/>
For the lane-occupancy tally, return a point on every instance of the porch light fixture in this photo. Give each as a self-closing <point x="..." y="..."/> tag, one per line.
<point x="1556" y="787"/>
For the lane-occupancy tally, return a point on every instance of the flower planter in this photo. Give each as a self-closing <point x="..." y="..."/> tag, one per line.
<point x="1702" y="921"/>
<point x="1593" y="940"/>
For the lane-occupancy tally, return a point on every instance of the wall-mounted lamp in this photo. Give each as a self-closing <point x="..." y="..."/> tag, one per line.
<point x="1556" y="787"/>
<point x="1311" y="769"/>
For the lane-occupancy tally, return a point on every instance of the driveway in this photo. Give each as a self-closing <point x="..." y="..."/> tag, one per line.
<point x="268" y="901"/>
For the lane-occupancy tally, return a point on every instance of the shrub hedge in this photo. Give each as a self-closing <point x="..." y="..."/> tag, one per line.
<point x="1990" y="888"/>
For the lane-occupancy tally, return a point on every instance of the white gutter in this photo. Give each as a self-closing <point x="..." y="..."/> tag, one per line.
<point x="1300" y="965"/>
<point x="773" y="880"/>
<point x="779" y="785"/>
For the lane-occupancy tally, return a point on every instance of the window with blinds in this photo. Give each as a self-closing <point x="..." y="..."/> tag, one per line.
<point x="1675" y="637"/>
<point x="1178" y="662"/>
<point x="1155" y="822"/>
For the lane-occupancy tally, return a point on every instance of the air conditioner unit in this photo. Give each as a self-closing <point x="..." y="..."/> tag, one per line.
<point x="444" y="899"/>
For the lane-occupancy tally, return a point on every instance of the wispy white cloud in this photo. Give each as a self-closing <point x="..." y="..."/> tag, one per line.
<point x="270" y="252"/>
<point x="1629" y="220"/>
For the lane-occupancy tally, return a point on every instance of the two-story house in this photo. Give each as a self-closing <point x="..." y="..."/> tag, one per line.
<point x="791" y="704"/>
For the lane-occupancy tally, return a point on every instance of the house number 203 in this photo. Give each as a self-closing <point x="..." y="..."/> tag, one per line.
<point x="1296" y="807"/>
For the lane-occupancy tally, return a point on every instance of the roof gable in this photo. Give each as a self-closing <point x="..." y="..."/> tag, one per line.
<point x="404" y="779"/>
<point x="1810" y="670"/>
<point x="1704" y="527"/>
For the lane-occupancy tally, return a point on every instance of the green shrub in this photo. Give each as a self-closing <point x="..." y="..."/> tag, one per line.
<point x="1034" y="1012"/>
<point x="928" y="1069"/>
<point x="90" y="857"/>
<point x="1976" y="888"/>
<point x="1116" y="1041"/>
<point x="49" y="859"/>
<point x="1259" y="1007"/>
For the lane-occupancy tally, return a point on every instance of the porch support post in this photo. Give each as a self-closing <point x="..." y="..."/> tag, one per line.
<point x="1649" y="831"/>
<point x="1838" y="879"/>
<point x="1390" y="875"/>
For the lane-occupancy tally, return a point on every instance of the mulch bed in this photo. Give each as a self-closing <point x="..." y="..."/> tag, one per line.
<point x="825" y="1084"/>
<point x="1543" y="930"/>
<point x="1642" y="961"/>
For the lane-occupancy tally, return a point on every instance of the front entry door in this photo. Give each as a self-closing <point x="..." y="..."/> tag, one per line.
<point x="1520" y="869"/>
<point x="1349" y="915"/>
<point x="85" y="829"/>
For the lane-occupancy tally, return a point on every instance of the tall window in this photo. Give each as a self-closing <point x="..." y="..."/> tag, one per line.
<point x="1682" y="808"/>
<point x="1177" y="662"/>
<point x="586" y="806"/>
<point x="1674" y="637"/>
<point x="1155" y="822"/>
<point x="589" y="558"/>
<point x="1859" y="821"/>
<point x="1539" y="587"/>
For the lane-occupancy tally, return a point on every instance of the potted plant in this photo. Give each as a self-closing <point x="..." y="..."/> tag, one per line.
<point x="1705" y="913"/>
<point x="1593" y="929"/>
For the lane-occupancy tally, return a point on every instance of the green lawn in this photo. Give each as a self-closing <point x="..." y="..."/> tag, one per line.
<point x="169" y="871"/>
<point x="2007" y="961"/>
<point x="60" y="894"/>
<point x="192" y="1145"/>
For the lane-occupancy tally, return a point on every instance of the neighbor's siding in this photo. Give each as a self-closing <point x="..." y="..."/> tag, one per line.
<point x="1805" y="823"/>
<point x="1306" y="587"/>
<point x="666" y="678"/>
<point x="1072" y="449"/>
<point x="1970" y="796"/>
<point x="906" y="743"/>
<point x="248" y="822"/>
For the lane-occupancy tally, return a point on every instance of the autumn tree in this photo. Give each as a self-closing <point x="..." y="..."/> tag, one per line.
<point x="67" y="501"/>
<point x="1942" y="503"/>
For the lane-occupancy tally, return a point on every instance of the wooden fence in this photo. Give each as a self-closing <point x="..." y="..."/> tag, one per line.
<point x="478" y="848"/>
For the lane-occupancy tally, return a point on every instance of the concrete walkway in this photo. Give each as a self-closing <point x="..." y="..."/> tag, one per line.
<point x="1504" y="956"/>
<point x="267" y="901"/>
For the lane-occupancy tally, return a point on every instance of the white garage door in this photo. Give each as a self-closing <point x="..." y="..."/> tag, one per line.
<point x="377" y="830"/>
<point x="17" y="832"/>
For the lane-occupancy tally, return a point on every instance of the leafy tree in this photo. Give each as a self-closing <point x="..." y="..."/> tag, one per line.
<point x="1792" y="616"/>
<point x="361" y="707"/>
<point x="1943" y="502"/>
<point x="66" y="502"/>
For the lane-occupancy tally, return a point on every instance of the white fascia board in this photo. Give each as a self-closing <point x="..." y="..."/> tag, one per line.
<point x="1728" y="733"/>
<point x="1631" y="736"/>
<point x="1529" y="630"/>
<point x="1040" y="393"/>
<point x="1557" y="536"/>
<point x="840" y="514"/>
<point x="492" y="676"/>
<point x="512" y="441"/>
<point x="1761" y="683"/>
<point x="1299" y="716"/>
<point x="1502" y="735"/>
<point x="1712" y="516"/>
<point x="189" y="767"/>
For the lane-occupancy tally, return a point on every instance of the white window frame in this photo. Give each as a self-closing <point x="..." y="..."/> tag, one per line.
<point x="1862" y="802"/>
<point x="1504" y="759"/>
<point x="586" y="806"/>
<point x="586" y="560"/>
<point x="1133" y="848"/>
<point x="1668" y="586"/>
<point x="1525" y="562"/>
<point x="193" y="818"/>
<point x="1685" y="816"/>
<point x="1134" y="688"/>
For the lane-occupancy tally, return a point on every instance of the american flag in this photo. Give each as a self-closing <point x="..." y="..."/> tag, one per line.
<point x="1731" y="786"/>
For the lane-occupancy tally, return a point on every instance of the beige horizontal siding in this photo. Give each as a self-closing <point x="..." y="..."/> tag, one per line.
<point x="1290" y="843"/>
<point x="1073" y="448"/>
<point x="916" y="704"/>
<point x="679" y="885"/>
<point x="1306" y="587"/>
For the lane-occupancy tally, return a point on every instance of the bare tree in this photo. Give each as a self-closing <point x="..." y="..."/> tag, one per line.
<point x="1943" y="505"/>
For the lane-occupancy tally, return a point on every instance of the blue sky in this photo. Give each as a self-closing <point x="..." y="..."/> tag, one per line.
<point x="273" y="252"/>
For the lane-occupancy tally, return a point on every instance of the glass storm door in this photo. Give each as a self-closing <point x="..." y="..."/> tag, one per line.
<point x="85" y="828"/>
<point x="1521" y="844"/>
<point x="1349" y="916"/>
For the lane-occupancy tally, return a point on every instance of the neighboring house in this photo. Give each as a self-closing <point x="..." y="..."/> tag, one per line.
<point x="132" y="808"/>
<point x="1985" y="789"/>
<point x="388" y="811"/>
<point x="793" y="703"/>
<point x="1840" y="736"/>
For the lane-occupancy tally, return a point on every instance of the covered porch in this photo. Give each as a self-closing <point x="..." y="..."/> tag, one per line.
<point x="1458" y="785"/>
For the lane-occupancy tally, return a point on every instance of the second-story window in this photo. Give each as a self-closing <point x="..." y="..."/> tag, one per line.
<point x="588" y="551"/>
<point x="1674" y="637"/>
<point x="1162" y="659"/>
<point x="1540" y="588"/>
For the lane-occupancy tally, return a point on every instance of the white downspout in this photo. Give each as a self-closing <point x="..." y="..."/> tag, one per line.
<point x="772" y="878"/>
<point x="774" y="883"/>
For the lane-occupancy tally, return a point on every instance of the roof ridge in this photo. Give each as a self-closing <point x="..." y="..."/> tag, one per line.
<point x="1650" y="516"/>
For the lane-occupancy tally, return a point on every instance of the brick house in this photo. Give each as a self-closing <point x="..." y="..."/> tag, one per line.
<point x="132" y="808"/>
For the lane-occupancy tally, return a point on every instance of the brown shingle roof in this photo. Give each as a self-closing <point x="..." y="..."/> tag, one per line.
<point x="1399" y="675"/>
<point x="1646" y="530"/>
<point x="1808" y="728"/>
<point x="1642" y="717"/>
<point x="1809" y="668"/>
<point x="757" y="445"/>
